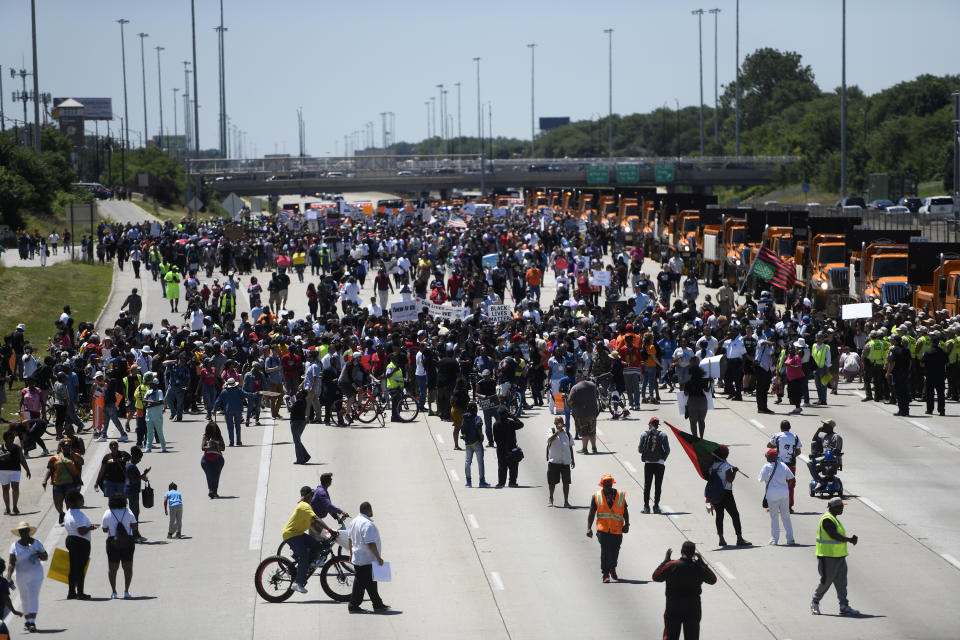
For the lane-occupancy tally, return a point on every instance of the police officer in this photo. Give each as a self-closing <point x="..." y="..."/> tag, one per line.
<point x="873" y="357"/>
<point x="953" y="361"/>
<point x="934" y="365"/>
<point x="832" y="559"/>
<point x="922" y="345"/>
<point x="898" y="370"/>
<point x="394" y="378"/>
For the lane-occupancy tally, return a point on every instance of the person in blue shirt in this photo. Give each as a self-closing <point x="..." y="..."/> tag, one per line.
<point x="667" y="345"/>
<point x="231" y="401"/>
<point x="173" y="506"/>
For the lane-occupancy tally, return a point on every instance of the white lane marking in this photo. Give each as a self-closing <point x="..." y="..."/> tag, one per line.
<point x="919" y="424"/>
<point x="438" y="437"/>
<point x="473" y="521"/>
<point x="669" y="511"/>
<point x="857" y="393"/>
<point x="722" y="569"/>
<point x="805" y="459"/>
<point x="949" y="558"/>
<point x="263" y="479"/>
<point x="453" y="474"/>
<point x="757" y="424"/>
<point x="871" y="504"/>
<point x="629" y="467"/>
<point x="599" y="432"/>
<point x="497" y="582"/>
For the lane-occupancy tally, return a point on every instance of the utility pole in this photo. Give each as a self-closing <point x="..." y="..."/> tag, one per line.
<point x="143" y="76"/>
<point x="160" y="96"/>
<point x="427" y="103"/>
<point x="532" y="46"/>
<point x="843" y="102"/>
<point x="716" y="102"/>
<point x="699" y="14"/>
<point x="459" y="129"/>
<point x="3" y="119"/>
<point x="175" y="91"/>
<point x="490" y="127"/>
<point x="223" y="84"/>
<point x="609" y="33"/>
<point x="483" y="168"/>
<point x="196" y="93"/>
<point x="383" y="128"/>
<point x="442" y="125"/>
<point x="36" y="80"/>
<point x="433" y="115"/>
<point x="737" y="114"/>
<point x="956" y="165"/>
<point x="126" y="114"/>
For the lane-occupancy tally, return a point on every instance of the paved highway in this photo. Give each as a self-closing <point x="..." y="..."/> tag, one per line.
<point x="488" y="563"/>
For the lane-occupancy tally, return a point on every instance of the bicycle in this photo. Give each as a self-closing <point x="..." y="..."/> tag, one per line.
<point x="276" y="574"/>
<point x="371" y="404"/>
<point x="609" y="398"/>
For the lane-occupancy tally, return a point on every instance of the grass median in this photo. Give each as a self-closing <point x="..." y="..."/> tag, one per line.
<point x="35" y="296"/>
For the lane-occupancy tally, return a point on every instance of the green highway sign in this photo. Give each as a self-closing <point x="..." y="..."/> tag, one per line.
<point x="628" y="173"/>
<point x="663" y="173"/>
<point x="598" y="174"/>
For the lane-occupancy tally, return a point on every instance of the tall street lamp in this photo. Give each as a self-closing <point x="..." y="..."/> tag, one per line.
<point x="36" y="80"/>
<point x="737" y="90"/>
<point x="175" y="91"/>
<point x="699" y="14"/>
<point x="427" y="105"/>
<point x="483" y="168"/>
<point x="126" y="114"/>
<point x="843" y="102"/>
<point x="160" y="96"/>
<point x="716" y="114"/>
<point x="609" y="33"/>
<point x="143" y="74"/>
<point x="459" y="130"/>
<point x="442" y="120"/>
<point x="196" y="93"/>
<point x="532" y="46"/>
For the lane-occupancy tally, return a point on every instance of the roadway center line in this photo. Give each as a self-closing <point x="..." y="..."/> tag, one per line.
<point x="804" y="458"/>
<point x="473" y="521"/>
<point x="629" y="467"/>
<point x="263" y="479"/>
<point x="723" y="570"/>
<point x="453" y="474"/>
<point x="599" y="432"/>
<point x="669" y="511"/>
<point x="497" y="582"/>
<point x="857" y="393"/>
<point x="949" y="558"/>
<point x="871" y="504"/>
<point x="919" y="424"/>
<point x="757" y="424"/>
<point x="438" y="437"/>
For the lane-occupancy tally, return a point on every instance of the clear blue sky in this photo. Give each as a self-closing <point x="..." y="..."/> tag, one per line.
<point x="346" y="62"/>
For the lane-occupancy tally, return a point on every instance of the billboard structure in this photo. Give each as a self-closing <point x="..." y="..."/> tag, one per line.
<point x="93" y="108"/>
<point x="552" y="123"/>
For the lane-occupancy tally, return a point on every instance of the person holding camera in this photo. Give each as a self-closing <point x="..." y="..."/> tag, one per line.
<point x="684" y="577"/>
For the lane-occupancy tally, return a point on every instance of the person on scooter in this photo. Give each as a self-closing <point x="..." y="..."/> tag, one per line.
<point x="825" y="439"/>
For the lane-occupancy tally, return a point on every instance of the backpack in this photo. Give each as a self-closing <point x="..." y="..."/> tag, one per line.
<point x="471" y="430"/>
<point x="64" y="470"/>
<point x="652" y="450"/>
<point x="122" y="541"/>
<point x="714" y="491"/>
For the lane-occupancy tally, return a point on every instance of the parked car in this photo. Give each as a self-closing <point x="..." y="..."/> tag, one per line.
<point x="897" y="209"/>
<point x="98" y="190"/>
<point x="851" y="201"/>
<point x="406" y="173"/>
<point x="881" y="205"/>
<point x="911" y="203"/>
<point x="937" y="206"/>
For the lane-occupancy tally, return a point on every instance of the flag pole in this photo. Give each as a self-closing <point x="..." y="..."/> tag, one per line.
<point x="740" y="292"/>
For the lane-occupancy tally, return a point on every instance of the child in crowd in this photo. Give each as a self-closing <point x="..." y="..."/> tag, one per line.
<point x="173" y="506"/>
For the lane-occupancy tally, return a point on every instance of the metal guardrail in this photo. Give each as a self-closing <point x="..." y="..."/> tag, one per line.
<point x="935" y="228"/>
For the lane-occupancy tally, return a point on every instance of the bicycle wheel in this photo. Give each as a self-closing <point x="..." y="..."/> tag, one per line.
<point x="274" y="578"/>
<point x="366" y="407"/>
<point x="50" y="429"/>
<point x="616" y="406"/>
<point x="337" y="578"/>
<point x="515" y="404"/>
<point x="408" y="410"/>
<point x="83" y="413"/>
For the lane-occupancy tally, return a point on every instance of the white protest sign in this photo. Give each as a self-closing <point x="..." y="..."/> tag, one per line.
<point x="156" y="229"/>
<point x="469" y="209"/>
<point x="404" y="311"/>
<point x="582" y="226"/>
<point x="500" y="212"/>
<point x="444" y="311"/>
<point x="600" y="278"/>
<point x="856" y="310"/>
<point x="499" y="313"/>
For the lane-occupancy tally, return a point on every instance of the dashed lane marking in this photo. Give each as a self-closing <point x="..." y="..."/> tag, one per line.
<point x="263" y="480"/>
<point x="453" y="474"/>
<point x="438" y="437"/>
<point x="919" y="424"/>
<point x="472" y="519"/>
<point x="723" y="570"/>
<point x="949" y="558"/>
<point x="497" y="582"/>
<point x="871" y="504"/>
<point x="757" y="424"/>
<point x="805" y="459"/>
<point x="669" y="511"/>
<point x="629" y="467"/>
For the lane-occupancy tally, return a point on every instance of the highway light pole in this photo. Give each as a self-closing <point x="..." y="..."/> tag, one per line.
<point x="609" y="33"/>
<point x="427" y="103"/>
<point x="699" y="14"/>
<point x="716" y="113"/>
<point x="443" y="119"/>
<point x="532" y="46"/>
<point x="459" y="129"/>
<point x="736" y="117"/>
<point x="143" y="77"/>
<point x="36" y="80"/>
<point x="956" y="166"/>
<point x="160" y="96"/>
<point x="175" y="91"/>
<point x="196" y="93"/>
<point x="843" y="101"/>
<point x="126" y="114"/>
<point x="483" y="168"/>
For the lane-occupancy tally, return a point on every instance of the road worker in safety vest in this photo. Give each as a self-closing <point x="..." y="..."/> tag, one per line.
<point x="609" y="507"/>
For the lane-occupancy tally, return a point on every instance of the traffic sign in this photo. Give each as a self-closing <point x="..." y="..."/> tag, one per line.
<point x="663" y="172"/>
<point x="628" y="173"/>
<point x="233" y="204"/>
<point x="195" y="204"/>
<point x="598" y="174"/>
<point x="805" y="187"/>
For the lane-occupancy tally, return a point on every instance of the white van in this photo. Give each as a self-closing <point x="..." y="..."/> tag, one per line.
<point x="939" y="206"/>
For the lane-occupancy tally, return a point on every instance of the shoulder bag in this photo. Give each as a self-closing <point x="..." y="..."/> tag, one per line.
<point x="766" y="488"/>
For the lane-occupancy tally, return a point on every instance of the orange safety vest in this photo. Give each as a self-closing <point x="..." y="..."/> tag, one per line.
<point x="610" y="519"/>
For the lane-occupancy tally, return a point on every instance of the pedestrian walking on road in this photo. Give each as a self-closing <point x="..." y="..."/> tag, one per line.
<point x="684" y="577"/>
<point x="26" y="554"/>
<point x="583" y="400"/>
<point x="560" y="460"/>
<point x="727" y="502"/>
<point x="364" y="551"/>
<point x="11" y="461"/>
<point x="654" y="447"/>
<point x="609" y="506"/>
<point x="132" y="483"/>
<point x="173" y="507"/>
<point x="788" y="447"/>
<point x="934" y="364"/>
<point x="78" y="528"/>
<point x="212" y="460"/>
<point x="696" y="389"/>
<point x="508" y="453"/>
<point x="120" y="525"/>
<point x="297" y="406"/>
<point x="832" y="559"/>
<point x="471" y="430"/>
<point x="153" y="410"/>
<point x="779" y="480"/>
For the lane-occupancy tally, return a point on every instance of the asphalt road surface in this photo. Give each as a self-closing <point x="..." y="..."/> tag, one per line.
<point x="489" y="563"/>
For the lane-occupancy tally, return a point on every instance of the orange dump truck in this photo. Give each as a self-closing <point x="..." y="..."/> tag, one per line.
<point x="944" y="293"/>
<point x="720" y="249"/>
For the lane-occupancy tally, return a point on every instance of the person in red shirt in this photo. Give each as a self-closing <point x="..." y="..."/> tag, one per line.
<point x="454" y="283"/>
<point x="383" y="286"/>
<point x="292" y="366"/>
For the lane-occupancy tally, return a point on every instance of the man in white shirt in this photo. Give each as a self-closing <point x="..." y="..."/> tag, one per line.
<point x="779" y="482"/>
<point x="364" y="551"/>
<point x="788" y="447"/>
<point x="373" y="309"/>
<point x="559" y="459"/>
<point x="734" y="377"/>
<point x="676" y="270"/>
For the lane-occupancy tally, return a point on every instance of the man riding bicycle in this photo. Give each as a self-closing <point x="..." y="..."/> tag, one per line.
<point x="352" y="378"/>
<point x="297" y="534"/>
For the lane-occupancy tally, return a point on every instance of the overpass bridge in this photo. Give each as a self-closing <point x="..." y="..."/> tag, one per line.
<point x="288" y="175"/>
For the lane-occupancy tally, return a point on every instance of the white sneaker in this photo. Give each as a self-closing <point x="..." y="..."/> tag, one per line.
<point x="101" y="439"/>
<point x="298" y="588"/>
<point x="772" y="542"/>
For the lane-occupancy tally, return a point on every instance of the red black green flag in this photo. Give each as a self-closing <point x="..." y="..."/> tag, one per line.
<point x="771" y="268"/>
<point x="701" y="451"/>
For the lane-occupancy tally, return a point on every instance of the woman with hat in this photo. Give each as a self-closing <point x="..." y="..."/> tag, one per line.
<point x="26" y="554"/>
<point x="778" y="479"/>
